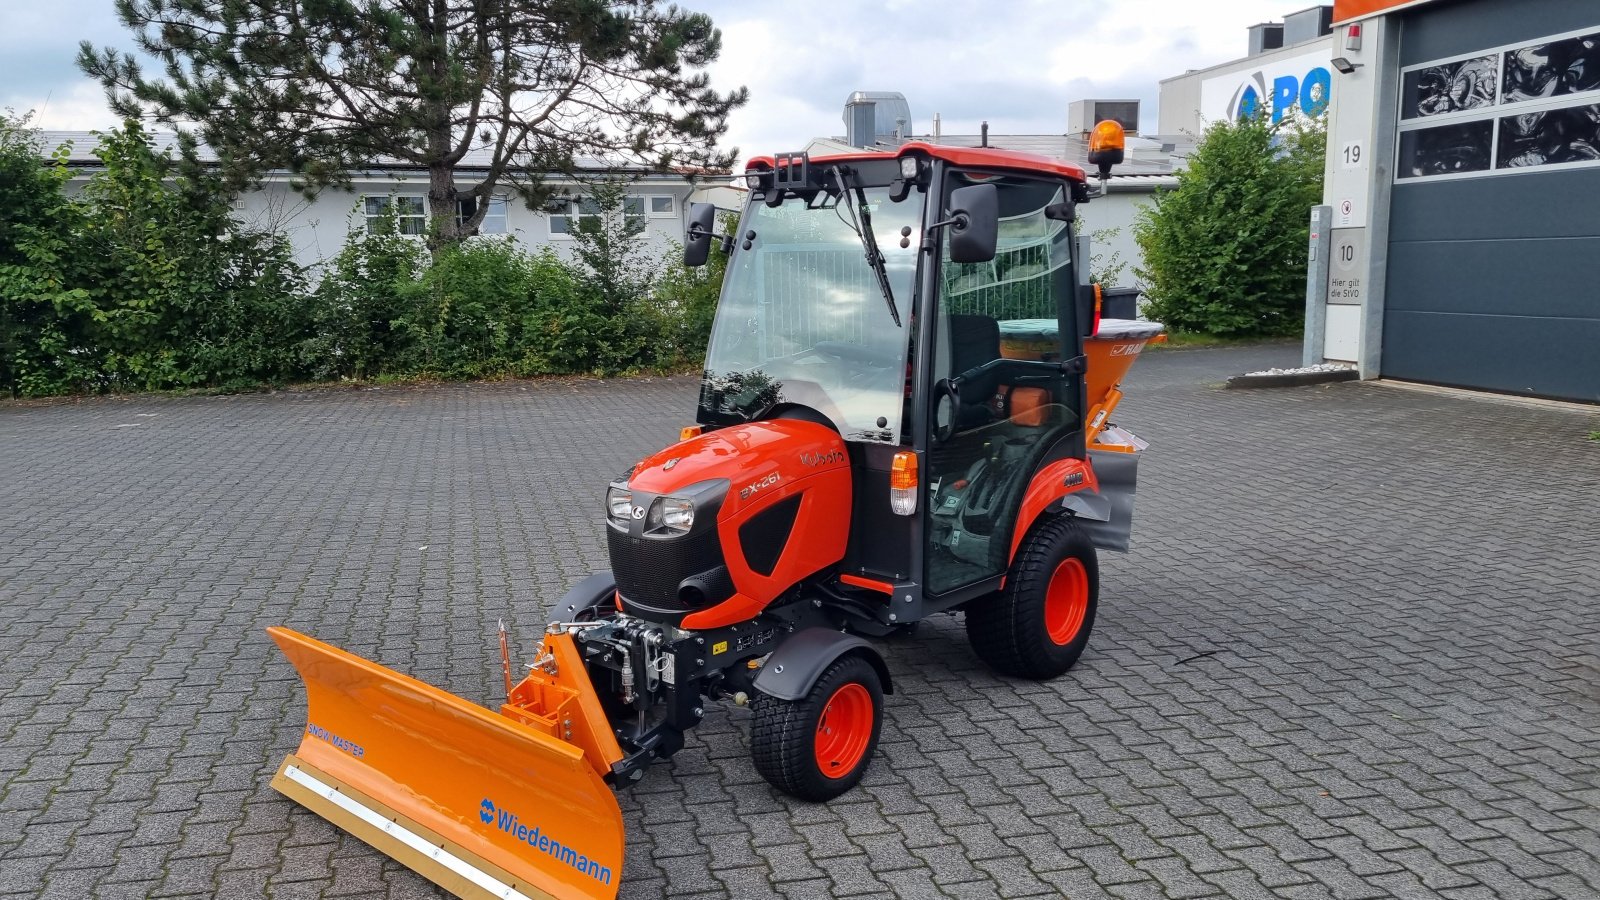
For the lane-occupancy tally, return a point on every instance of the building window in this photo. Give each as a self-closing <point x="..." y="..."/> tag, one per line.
<point x="410" y="212"/>
<point x="494" y="221"/>
<point x="570" y="216"/>
<point x="1554" y="69"/>
<point x="663" y="206"/>
<point x="1450" y="87"/>
<point x="1447" y="149"/>
<point x="1506" y="110"/>
<point x="1550" y="137"/>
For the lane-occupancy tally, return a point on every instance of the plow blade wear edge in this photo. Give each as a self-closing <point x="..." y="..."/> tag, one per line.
<point x="477" y="803"/>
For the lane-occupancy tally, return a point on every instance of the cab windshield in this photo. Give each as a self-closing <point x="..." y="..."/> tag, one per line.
<point x="803" y="319"/>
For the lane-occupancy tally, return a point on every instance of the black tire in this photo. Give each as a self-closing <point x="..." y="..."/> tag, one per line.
<point x="1012" y="630"/>
<point x="784" y="737"/>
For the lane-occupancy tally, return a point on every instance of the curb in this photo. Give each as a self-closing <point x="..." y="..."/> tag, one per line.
<point x="1298" y="379"/>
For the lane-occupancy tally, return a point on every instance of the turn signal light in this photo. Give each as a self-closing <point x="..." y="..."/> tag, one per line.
<point x="690" y="432"/>
<point x="903" y="483"/>
<point x="1099" y="305"/>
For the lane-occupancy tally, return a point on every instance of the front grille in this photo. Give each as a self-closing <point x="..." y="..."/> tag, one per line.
<point x="649" y="570"/>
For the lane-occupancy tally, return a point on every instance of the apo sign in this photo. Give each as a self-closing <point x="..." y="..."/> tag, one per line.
<point x="1303" y="83"/>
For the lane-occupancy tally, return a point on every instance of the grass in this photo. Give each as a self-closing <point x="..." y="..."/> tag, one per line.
<point x="1594" y="435"/>
<point x="1190" y="340"/>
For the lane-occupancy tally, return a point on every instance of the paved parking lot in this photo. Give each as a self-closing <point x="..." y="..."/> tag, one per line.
<point x="1355" y="651"/>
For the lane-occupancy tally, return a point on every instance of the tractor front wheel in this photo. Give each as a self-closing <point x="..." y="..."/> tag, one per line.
<point x="817" y="747"/>
<point x="1039" y="624"/>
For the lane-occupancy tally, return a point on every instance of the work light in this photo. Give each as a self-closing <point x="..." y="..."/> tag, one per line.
<point x="677" y="514"/>
<point x="619" y="503"/>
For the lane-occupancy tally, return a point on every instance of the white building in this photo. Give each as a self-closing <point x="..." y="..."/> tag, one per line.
<point x="318" y="228"/>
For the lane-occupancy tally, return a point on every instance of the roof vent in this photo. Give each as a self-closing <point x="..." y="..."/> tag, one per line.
<point x="1264" y="37"/>
<point x="877" y="117"/>
<point x="1083" y="115"/>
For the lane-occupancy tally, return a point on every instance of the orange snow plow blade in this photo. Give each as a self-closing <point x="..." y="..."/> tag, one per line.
<point x="481" y="804"/>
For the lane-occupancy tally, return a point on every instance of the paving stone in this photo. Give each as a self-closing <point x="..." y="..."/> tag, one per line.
<point x="1322" y="671"/>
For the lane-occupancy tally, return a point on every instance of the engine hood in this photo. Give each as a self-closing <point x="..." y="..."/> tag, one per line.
<point x="755" y="458"/>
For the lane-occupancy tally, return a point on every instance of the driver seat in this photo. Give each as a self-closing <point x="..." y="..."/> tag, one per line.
<point x="974" y="340"/>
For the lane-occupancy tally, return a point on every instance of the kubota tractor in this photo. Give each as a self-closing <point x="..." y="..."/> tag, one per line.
<point x="903" y="414"/>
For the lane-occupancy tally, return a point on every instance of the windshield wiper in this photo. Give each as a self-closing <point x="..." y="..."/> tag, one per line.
<point x="863" y="226"/>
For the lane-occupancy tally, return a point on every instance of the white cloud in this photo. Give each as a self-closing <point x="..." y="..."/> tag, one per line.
<point x="75" y="106"/>
<point x="1015" y="63"/>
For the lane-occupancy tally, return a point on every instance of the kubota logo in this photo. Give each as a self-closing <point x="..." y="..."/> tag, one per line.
<point x="507" y="821"/>
<point x="819" y="459"/>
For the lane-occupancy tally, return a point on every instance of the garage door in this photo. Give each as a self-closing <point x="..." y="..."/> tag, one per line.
<point x="1494" y="258"/>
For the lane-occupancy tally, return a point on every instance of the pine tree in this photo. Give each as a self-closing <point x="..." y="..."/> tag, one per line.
<point x="325" y="88"/>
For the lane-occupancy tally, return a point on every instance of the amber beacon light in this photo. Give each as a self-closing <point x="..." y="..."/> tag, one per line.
<point x="1107" y="146"/>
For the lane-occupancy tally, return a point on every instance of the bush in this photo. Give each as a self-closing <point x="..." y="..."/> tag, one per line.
<point x="146" y="282"/>
<point x="142" y="282"/>
<point x="1225" y="251"/>
<point x="362" y="303"/>
<point x="40" y="306"/>
<point x="685" y="302"/>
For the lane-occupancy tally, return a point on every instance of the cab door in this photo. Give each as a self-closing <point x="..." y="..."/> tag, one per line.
<point x="1001" y="403"/>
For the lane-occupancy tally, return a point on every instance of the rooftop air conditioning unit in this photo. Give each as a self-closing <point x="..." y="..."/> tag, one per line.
<point x="1083" y="115"/>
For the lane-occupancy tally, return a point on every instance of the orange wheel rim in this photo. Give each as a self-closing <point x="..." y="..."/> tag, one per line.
<point x="1066" y="601"/>
<point x="844" y="730"/>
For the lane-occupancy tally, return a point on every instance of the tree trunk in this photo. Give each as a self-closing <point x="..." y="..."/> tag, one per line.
<point x="442" y="196"/>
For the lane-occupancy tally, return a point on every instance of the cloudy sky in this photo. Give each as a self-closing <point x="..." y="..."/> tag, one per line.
<point x="1015" y="63"/>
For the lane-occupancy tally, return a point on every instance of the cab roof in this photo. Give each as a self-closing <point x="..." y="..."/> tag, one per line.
<point x="977" y="157"/>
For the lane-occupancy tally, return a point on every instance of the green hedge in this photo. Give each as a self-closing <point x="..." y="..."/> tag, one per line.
<point x="144" y="281"/>
<point x="1225" y="251"/>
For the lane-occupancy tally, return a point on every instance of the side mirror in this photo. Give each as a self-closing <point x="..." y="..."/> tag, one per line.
<point x="944" y="412"/>
<point x="975" y="231"/>
<point x="697" y="239"/>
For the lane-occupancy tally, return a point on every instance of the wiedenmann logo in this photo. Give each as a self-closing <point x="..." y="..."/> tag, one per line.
<point x="508" y="822"/>
<point x="323" y="734"/>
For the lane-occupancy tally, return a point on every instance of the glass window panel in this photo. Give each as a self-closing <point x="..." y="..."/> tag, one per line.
<point x="1554" y="69"/>
<point x="494" y="221"/>
<point x="1446" y="150"/>
<point x="588" y="206"/>
<point x="1550" y="137"/>
<point x="560" y="225"/>
<point x="661" y="205"/>
<point x="410" y="206"/>
<point x="1449" y="87"/>
<point x="633" y="206"/>
<point x="376" y="205"/>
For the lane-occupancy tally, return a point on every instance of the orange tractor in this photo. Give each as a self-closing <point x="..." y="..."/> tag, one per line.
<point x="903" y="413"/>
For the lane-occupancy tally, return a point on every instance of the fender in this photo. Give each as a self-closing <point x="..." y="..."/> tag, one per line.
<point x="586" y="594"/>
<point x="1049" y="485"/>
<point x="1102" y="500"/>
<point x="798" y="662"/>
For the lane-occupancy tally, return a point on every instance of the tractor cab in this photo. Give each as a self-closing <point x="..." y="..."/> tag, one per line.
<point x="929" y="306"/>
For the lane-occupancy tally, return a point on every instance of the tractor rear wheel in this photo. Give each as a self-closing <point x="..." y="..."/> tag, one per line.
<point x="819" y="746"/>
<point x="1038" y="625"/>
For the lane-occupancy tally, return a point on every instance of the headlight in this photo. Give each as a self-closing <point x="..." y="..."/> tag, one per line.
<point x="619" y="504"/>
<point x="673" y="514"/>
